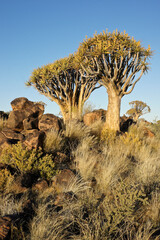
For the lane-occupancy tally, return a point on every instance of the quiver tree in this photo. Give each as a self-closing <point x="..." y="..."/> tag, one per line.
<point x="66" y="84"/>
<point x="119" y="62"/>
<point x="138" y="108"/>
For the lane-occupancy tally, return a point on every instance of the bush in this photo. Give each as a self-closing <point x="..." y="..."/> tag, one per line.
<point x="121" y="207"/>
<point x="25" y="160"/>
<point x="6" y="179"/>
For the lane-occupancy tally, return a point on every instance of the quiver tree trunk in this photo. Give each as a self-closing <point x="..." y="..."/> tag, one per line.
<point x="113" y="111"/>
<point x="71" y="112"/>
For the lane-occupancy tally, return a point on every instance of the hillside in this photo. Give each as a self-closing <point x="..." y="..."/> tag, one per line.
<point x="77" y="180"/>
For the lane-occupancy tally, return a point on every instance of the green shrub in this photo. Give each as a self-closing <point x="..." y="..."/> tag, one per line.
<point x="46" y="167"/>
<point x="122" y="205"/>
<point x="6" y="179"/>
<point x="25" y="160"/>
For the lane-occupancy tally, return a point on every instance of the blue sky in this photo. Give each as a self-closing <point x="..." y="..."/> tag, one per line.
<point x="37" y="32"/>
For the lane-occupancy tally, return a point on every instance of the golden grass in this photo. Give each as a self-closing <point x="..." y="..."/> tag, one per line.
<point x="124" y="201"/>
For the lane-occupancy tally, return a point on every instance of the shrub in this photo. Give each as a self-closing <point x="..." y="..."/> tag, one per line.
<point x="121" y="207"/>
<point x="109" y="136"/>
<point x="46" y="167"/>
<point x="25" y="160"/>
<point x="6" y="179"/>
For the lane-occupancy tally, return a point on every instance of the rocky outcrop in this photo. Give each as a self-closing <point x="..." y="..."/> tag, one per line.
<point x="96" y="115"/>
<point x="26" y="123"/>
<point x="25" y="114"/>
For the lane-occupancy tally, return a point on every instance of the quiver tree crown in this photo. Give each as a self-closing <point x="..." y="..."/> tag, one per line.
<point x="119" y="62"/>
<point x="116" y="58"/>
<point x="65" y="83"/>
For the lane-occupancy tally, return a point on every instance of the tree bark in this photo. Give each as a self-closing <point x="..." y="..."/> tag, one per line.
<point x="113" y="111"/>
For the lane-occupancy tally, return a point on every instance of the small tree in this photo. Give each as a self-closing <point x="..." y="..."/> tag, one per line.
<point x="116" y="59"/>
<point x="65" y="83"/>
<point x="138" y="108"/>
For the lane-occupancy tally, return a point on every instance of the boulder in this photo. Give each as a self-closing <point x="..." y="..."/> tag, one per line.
<point x="33" y="138"/>
<point x="24" y="104"/>
<point x="40" y="186"/>
<point x="12" y="135"/>
<point x="148" y="132"/>
<point x="49" y="121"/>
<point x="4" y="115"/>
<point x="90" y="118"/>
<point x="60" y="158"/>
<point x="23" y="109"/>
<point x="21" y="103"/>
<point x="65" y="197"/>
<point x="38" y="110"/>
<point x="30" y="123"/>
<point x="16" y="118"/>
<point x="5" y="228"/>
<point x="63" y="180"/>
<point x="125" y="123"/>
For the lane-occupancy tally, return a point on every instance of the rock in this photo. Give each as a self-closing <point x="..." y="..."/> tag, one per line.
<point x="148" y="133"/>
<point x="33" y="138"/>
<point x="5" y="228"/>
<point x="15" y="120"/>
<point x="64" y="197"/>
<point x="30" y="123"/>
<point x="49" y="121"/>
<point x="23" y="104"/>
<point x="60" y="158"/>
<point x="40" y="186"/>
<point x="24" y="112"/>
<point x="10" y="134"/>
<point x="38" y="110"/>
<point x="20" y="103"/>
<point x="63" y="180"/>
<point x="125" y="123"/>
<point x="4" y="115"/>
<point x="90" y="118"/>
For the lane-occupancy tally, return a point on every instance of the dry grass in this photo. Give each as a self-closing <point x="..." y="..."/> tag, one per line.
<point x="53" y="141"/>
<point x="76" y="130"/>
<point x="3" y="123"/>
<point x="123" y="203"/>
<point x="9" y="205"/>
